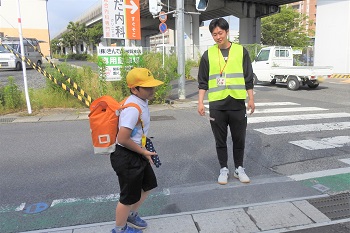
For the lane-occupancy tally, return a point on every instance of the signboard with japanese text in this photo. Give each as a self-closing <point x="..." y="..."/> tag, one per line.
<point x="112" y="57"/>
<point x="121" y="19"/>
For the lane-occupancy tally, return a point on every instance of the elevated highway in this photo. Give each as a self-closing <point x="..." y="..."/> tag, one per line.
<point x="248" y="11"/>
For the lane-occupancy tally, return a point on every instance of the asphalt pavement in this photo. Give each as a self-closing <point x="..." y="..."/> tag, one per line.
<point x="298" y="213"/>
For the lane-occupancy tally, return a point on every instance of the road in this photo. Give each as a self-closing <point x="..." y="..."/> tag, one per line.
<point x="293" y="138"/>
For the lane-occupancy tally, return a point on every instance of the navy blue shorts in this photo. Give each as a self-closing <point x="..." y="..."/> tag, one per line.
<point x="134" y="172"/>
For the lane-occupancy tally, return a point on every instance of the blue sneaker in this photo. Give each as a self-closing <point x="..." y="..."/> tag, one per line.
<point x="136" y="221"/>
<point x="127" y="229"/>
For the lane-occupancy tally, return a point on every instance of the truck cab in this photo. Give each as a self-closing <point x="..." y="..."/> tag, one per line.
<point x="272" y="56"/>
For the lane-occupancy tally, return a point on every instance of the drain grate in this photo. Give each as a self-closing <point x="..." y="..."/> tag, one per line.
<point x="162" y="118"/>
<point x="7" y="120"/>
<point x="334" y="207"/>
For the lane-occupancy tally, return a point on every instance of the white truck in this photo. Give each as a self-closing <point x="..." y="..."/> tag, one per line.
<point x="274" y="64"/>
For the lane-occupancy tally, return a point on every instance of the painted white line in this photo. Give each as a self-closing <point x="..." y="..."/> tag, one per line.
<point x="324" y="143"/>
<point x="319" y="174"/>
<point x="297" y="117"/>
<point x="345" y="161"/>
<point x="96" y="199"/>
<point x="11" y="208"/>
<point x="301" y="109"/>
<point x="265" y="104"/>
<point x="21" y="207"/>
<point x="275" y="104"/>
<point x="304" y="128"/>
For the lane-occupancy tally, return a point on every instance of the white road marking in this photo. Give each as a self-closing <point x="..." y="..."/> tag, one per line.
<point x="300" y="109"/>
<point x="96" y="199"/>
<point x="298" y="117"/>
<point x="305" y="128"/>
<point x="264" y="104"/>
<point x="324" y="143"/>
<point x="275" y="104"/>
<point x="318" y="174"/>
<point x="345" y="160"/>
<point x="11" y="208"/>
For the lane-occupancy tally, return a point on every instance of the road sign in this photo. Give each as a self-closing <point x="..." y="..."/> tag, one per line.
<point x="163" y="27"/>
<point x="162" y="17"/>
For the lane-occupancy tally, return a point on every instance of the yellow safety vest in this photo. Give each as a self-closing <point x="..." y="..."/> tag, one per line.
<point x="232" y="82"/>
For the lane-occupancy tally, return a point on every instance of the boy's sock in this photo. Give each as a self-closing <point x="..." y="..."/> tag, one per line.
<point x="132" y="214"/>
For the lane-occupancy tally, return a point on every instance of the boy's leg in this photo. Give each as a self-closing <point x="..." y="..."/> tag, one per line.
<point x="121" y="214"/>
<point x="137" y="205"/>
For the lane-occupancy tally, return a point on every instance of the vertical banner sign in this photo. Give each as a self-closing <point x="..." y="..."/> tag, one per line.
<point x="132" y="16"/>
<point x="121" y="19"/>
<point x="112" y="56"/>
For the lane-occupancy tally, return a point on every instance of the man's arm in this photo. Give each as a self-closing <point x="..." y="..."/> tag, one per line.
<point x="203" y="77"/>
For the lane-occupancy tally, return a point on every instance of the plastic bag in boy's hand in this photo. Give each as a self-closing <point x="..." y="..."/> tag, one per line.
<point x="150" y="147"/>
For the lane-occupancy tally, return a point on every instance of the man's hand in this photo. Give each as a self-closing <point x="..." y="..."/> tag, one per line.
<point x="201" y="109"/>
<point x="251" y="107"/>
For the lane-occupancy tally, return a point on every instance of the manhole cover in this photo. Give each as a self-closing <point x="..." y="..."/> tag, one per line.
<point x="7" y="120"/>
<point x="162" y="118"/>
<point x="334" y="207"/>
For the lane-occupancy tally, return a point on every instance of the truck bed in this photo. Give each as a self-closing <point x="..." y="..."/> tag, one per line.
<point x="302" y="70"/>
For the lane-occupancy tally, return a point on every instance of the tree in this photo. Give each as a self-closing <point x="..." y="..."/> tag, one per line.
<point x="55" y="46"/>
<point x="76" y="31"/>
<point x="93" y="35"/>
<point x="286" y="28"/>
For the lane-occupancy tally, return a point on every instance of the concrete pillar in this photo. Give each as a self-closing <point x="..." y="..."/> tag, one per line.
<point x="249" y="31"/>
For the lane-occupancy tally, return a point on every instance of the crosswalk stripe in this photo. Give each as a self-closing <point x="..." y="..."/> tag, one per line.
<point x="300" y="109"/>
<point x="275" y="104"/>
<point x="297" y="117"/>
<point x="324" y="143"/>
<point x="304" y="128"/>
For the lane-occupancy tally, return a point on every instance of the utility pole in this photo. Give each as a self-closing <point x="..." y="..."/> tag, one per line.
<point x="180" y="15"/>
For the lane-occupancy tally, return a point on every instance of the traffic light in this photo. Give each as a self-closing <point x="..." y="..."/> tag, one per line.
<point x="154" y="6"/>
<point x="201" y="5"/>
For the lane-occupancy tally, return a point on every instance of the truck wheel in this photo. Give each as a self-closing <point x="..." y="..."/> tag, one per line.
<point x="255" y="79"/>
<point x="18" y="66"/>
<point x="293" y="83"/>
<point x="273" y="81"/>
<point x="313" y="85"/>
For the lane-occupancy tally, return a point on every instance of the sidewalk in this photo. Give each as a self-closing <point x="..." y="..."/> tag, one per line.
<point x="296" y="215"/>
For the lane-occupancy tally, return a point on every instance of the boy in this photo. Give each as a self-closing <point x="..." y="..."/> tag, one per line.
<point x="131" y="161"/>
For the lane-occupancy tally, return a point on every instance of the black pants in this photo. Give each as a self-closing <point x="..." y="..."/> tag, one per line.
<point x="237" y="121"/>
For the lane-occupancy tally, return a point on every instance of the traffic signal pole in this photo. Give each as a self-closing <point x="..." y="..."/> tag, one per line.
<point x="180" y="48"/>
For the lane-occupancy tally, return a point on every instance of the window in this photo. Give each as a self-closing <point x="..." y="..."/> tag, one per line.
<point x="263" y="55"/>
<point x="281" y="53"/>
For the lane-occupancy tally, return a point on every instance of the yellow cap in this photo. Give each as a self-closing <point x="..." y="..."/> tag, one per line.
<point x="141" y="77"/>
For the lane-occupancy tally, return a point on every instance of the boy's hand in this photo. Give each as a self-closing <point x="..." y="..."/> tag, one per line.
<point x="148" y="155"/>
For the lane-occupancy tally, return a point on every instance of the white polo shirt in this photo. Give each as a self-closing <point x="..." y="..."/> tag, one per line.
<point x="129" y="118"/>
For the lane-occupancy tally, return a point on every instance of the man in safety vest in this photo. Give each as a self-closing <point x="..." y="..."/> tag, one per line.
<point x="225" y="71"/>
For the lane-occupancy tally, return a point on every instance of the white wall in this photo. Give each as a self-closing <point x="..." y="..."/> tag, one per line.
<point x="332" y="40"/>
<point x="206" y="40"/>
<point x="33" y="14"/>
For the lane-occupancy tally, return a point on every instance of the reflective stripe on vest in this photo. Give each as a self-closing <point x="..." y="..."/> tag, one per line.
<point x="234" y="81"/>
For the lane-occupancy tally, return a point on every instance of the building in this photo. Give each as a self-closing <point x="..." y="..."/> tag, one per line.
<point x="308" y="8"/>
<point x="34" y="21"/>
<point x="166" y="40"/>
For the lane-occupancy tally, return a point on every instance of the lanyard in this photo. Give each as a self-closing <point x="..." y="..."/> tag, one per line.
<point x="228" y="56"/>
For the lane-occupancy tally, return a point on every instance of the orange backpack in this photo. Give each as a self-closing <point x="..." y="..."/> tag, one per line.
<point x="104" y="119"/>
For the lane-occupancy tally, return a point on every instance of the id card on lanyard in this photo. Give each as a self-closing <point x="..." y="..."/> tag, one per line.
<point x="221" y="80"/>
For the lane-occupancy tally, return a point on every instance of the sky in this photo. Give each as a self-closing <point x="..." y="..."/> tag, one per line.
<point x="61" y="12"/>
